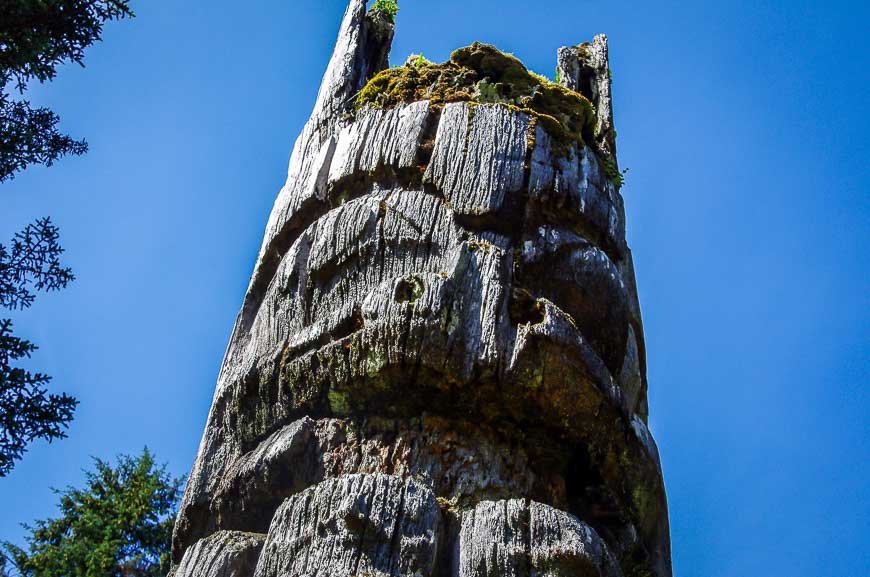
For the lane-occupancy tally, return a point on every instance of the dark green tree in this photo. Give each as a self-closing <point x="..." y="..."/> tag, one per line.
<point x="27" y="412"/>
<point x="119" y="525"/>
<point x="37" y="36"/>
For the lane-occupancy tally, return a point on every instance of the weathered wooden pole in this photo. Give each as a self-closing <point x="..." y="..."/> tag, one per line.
<point x="438" y="369"/>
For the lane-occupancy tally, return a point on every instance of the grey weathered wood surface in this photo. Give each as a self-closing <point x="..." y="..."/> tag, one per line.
<point x="439" y="366"/>
<point x="222" y="554"/>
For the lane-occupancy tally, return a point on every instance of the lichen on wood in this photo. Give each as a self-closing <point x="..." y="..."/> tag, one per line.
<point x="481" y="73"/>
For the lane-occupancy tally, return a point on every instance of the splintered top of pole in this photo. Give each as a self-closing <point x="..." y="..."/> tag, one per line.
<point x="577" y="107"/>
<point x="361" y="50"/>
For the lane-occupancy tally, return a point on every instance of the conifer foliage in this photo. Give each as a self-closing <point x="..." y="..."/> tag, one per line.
<point x="36" y="36"/>
<point x="118" y="525"/>
<point x="27" y="411"/>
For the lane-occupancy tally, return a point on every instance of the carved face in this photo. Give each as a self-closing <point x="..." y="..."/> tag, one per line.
<point x="455" y="262"/>
<point x="425" y="282"/>
<point x="486" y="286"/>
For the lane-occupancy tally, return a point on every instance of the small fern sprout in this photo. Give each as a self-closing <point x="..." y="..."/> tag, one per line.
<point x="387" y="7"/>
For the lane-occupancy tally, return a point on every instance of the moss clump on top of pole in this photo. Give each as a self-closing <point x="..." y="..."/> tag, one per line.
<point x="481" y="73"/>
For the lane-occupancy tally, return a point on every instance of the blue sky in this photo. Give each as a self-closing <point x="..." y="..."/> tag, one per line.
<point x="744" y="126"/>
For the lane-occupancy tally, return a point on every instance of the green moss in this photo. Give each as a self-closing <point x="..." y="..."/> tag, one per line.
<point x="609" y="167"/>
<point x="643" y="502"/>
<point x="418" y="60"/>
<point x="416" y="80"/>
<point x="409" y="289"/>
<point x="375" y="362"/>
<point x="338" y="402"/>
<point x="483" y="246"/>
<point x="481" y="73"/>
<point x="635" y="563"/>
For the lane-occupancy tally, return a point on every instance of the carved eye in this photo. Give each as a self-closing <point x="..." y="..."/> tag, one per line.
<point x="409" y="290"/>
